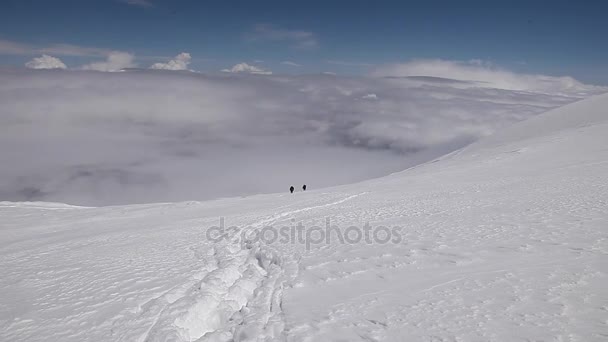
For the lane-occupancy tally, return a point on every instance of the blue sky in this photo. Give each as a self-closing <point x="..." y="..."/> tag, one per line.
<point x="352" y="37"/>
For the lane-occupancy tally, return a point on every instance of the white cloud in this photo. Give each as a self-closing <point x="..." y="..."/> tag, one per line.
<point x="290" y="63"/>
<point x="479" y="73"/>
<point x="180" y="62"/>
<point x="296" y="38"/>
<point x="246" y="68"/>
<point x="116" y="61"/>
<point x="111" y="138"/>
<point x="45" y="62"/>
<point x="370" y="96"/>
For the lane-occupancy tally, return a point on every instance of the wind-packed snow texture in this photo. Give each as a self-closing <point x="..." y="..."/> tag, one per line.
<point x="504" y="240"/>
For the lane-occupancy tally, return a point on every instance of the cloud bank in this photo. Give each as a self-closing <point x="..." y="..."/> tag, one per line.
<point x="45" y="62"/>
<point x="143" y="136"/>
<point x="481" y="74"/>
<point x="180" y="62"/>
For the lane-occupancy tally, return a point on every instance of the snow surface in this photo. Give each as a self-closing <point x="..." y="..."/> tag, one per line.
<point x="504" y="240"/>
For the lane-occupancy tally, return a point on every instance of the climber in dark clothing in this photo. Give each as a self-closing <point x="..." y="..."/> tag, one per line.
<point x="291" y="189"/>
<point x="304" y="187"/>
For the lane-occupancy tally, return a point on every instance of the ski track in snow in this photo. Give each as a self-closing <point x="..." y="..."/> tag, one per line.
<point x="504" y="240"/>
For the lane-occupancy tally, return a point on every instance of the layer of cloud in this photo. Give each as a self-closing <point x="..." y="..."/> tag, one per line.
<point x="248" y="69"/>
<point x="116" y="61"/>
<point x="295" y="38"/>
<point x="45" y="62"/>
<point x="482" y="74"/>
<point x="141" y="136"/>
<point x="180" y="62"/>
<point x="290" y="63"/>
<point x="352" y="64"/>
<point x="75" y="50"/>
<point x="8" y="47"/>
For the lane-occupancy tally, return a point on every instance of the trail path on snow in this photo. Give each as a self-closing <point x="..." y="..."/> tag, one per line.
<point x="229" y="290"/>
<point x="238" y="298"/>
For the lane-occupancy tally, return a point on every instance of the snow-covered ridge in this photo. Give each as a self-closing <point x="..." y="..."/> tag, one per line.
<point x="503" y="240"/>
<point x="589" y="112"/>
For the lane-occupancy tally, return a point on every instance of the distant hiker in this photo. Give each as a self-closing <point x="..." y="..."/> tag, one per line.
<point x="291" y="189"/>
<point x="304" y="187"/>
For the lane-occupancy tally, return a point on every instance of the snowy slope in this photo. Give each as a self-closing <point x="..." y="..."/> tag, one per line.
<point x="504" y="240"/>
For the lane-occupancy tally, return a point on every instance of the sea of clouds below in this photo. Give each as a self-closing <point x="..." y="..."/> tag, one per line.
<point x="95" y="138"/>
